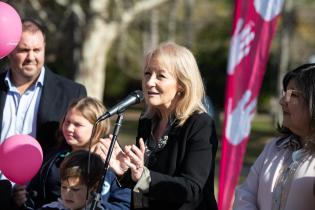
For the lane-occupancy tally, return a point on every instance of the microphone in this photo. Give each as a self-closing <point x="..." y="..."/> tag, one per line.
<point x="5" y="194"/>
<point x="133" y="98"/>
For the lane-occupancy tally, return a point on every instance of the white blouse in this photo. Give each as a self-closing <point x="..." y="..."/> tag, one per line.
<point x="277" y="182"/>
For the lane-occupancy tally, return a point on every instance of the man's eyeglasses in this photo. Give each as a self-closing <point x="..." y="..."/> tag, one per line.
<point x="290" y="93"/>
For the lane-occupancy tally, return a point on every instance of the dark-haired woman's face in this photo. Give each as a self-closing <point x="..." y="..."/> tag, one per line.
<point x="296" y="115"/>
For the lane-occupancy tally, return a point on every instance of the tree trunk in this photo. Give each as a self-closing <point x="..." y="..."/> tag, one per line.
<point x="100" y="36"/>
<point x="189" y="5"/>
<point x="98" y="41"/>
<point x="154" y="28"/>
<point x="172" y="23"/>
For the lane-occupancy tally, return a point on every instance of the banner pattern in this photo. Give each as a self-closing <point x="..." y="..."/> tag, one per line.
<point x="254" y="26"/>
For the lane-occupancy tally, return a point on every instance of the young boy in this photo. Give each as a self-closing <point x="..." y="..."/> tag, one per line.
<point x="75" y="182"/>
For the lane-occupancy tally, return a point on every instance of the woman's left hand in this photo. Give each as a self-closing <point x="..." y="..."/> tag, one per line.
<point x="136" y="159"/>
<point x="118" y="158"/>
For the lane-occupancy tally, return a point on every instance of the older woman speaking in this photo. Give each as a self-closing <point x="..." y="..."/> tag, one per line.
<point x="172" y="166"/>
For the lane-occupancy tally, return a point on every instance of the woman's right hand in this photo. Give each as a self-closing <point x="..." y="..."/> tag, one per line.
<point x="118" y="159"/>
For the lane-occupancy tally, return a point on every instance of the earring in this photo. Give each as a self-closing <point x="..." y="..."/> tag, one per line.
<point x="178" y="93"/>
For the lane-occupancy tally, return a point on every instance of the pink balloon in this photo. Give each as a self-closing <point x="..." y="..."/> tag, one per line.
<point x="10" y="29"/>
<point x="21" y="157"/>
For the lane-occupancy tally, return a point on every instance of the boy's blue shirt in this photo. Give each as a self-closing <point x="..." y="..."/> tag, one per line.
<point x="58" y="205"/>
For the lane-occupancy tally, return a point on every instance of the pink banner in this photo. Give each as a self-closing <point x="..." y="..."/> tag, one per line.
<point x="253" y="28"/>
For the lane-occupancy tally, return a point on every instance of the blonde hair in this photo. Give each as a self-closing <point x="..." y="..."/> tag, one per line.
<point x="180" y="62"/>
<point x="91" y="109"/>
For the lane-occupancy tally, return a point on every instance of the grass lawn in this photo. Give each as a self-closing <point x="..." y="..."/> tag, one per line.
<point x="262" y="131"/>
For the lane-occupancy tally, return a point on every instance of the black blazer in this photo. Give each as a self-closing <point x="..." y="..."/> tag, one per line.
<point x="57" y="93"/>
<point x="182" y="174"/>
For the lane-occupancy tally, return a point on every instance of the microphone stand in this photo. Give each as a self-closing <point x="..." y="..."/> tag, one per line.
<point x="97" y="195"/>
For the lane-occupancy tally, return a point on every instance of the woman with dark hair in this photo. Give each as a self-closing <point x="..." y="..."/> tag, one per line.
<point x="283" y="176"/>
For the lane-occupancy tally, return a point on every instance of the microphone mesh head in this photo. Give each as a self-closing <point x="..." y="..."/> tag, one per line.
<point x="139" y="95"/>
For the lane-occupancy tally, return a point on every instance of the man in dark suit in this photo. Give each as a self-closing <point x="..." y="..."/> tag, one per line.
<point x="33" y="99"/>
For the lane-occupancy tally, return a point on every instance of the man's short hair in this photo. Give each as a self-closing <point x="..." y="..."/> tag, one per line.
<point x="33" y="26"/>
